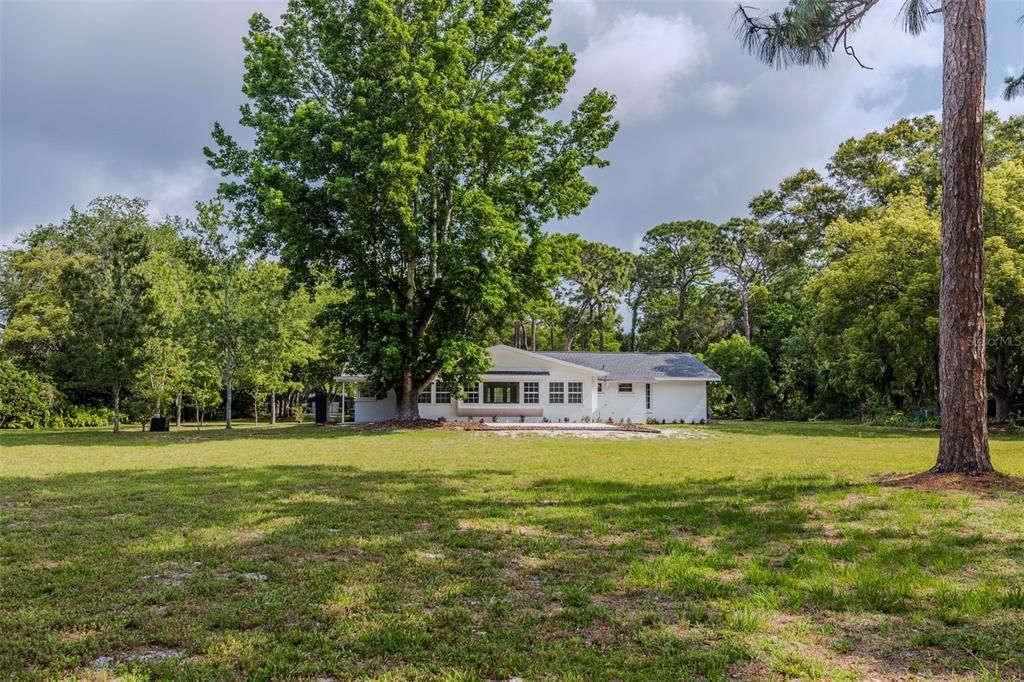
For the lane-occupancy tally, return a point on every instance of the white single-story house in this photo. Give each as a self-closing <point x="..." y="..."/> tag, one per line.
<point x="565" y="386"/>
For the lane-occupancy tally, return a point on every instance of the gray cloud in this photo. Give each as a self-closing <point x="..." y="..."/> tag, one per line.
<point x="119" y="97"/>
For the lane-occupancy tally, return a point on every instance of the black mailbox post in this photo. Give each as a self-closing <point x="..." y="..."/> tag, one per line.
<point x="159" y="424"/>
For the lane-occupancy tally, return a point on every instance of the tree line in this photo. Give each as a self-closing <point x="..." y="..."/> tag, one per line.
<point x="109" y="314"/>
<point x="821" y="301"/>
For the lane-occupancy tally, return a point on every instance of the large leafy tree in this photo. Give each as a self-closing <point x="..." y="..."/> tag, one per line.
<point x="225" y="319"/>
<point x="409" y="146"/>
<point x="34" y="314"/>
<point x="809" y="32"/>
<point x="110" y="309"/>
<point x="1004" y="253"/>
<point x="874" y="306"/>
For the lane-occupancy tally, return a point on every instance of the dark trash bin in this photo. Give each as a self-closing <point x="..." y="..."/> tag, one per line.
<point x="159" y="424"/>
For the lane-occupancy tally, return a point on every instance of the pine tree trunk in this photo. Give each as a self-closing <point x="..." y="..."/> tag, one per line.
<point x="273" y="408"/>
<point x="681" y="313"/>
<point x="117" y="407"/>
<point x="634" y="310"/>
<point x="963" y="445"/>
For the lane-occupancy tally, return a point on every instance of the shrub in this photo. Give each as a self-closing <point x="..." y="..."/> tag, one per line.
<point x="26" y="401"/>
<point x="299" y="413"/>
<point x="77" y="416"/>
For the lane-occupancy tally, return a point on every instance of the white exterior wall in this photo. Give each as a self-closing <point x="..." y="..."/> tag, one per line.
<point x="671" y="400"/>
<point x="623" y="406"/>
<point x="679" y="400"/>
<point x="373" y="410"/>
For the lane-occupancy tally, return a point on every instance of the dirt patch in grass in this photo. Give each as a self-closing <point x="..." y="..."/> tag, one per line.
<point x="931" y="482"/>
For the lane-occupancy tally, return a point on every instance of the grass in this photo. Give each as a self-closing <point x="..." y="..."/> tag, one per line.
<point x="751" y="550"/>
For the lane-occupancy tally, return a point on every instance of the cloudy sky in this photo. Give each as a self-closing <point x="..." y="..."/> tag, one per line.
<point x="119" y="97"/>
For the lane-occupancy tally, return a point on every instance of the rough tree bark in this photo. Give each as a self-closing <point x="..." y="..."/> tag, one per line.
<point x="117" y="407"/>
<point x="963" y="446"/>
<point x="273" y="407"/>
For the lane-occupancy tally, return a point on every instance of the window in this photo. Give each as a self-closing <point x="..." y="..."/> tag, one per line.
<point x="600" y="387"/>
<point x="625" y="388"/>
<point x="647" y="388"/>
<point x="531" y="392"/>
<point x="472" y="394"/>
<point x="501" y="392"/>
<point x="442" y="394"/>
<point x="425" y="395"/>
<point x="576" y="392"/>
<point x="556" y="392"/>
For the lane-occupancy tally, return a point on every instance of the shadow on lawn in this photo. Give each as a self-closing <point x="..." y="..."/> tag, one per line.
<point x="295" y="572"/>
<point x="132" y="436"/>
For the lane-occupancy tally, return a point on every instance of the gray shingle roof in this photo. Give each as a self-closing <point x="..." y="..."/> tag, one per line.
<point x="639" y="365"/>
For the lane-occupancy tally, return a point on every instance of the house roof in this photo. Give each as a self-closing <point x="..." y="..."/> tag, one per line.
<point x="518" y="372"/>
<point x="639" y="365"/>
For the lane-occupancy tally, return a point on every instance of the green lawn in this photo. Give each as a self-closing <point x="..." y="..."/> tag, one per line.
<point x="750" y="550"/>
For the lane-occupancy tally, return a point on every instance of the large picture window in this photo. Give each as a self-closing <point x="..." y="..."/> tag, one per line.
<point x="531" y="392"/>
<point x="556" y="392"/>
<point x="501" y="392"/>
<point x="576" y="392"/>
<point x="472" y="394"/>
<point x="442" y="394"/>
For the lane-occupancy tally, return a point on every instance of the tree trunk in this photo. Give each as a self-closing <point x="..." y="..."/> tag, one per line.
<point x="1001" y="398"/>
<point x="408" y="399"/>
<point x="963" y="445"/>
<point x="533" y="334"/>
<point x="199" y="423"/>
<point x="117" y="408"/>
<point x="228" y="378"/>
<point x="273" y="408"/>
<point x="745" y="296"/>
<point x="682" y="336"/>
<point x="634" y="310"/>
<point x="177" y="410"/>
<point x="600" y="327"/>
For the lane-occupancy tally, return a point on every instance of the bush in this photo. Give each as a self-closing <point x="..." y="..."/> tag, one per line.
<point x="299" y="413"/>
<point x="26" y="401"/>
<point x="78" y="416"/>
<point x="903" y="420"/>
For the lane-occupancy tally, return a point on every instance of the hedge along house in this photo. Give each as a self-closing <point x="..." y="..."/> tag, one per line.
<point x="564" y="386"/>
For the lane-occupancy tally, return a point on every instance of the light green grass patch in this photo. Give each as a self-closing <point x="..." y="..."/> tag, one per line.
<point x="758" y="550"/>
